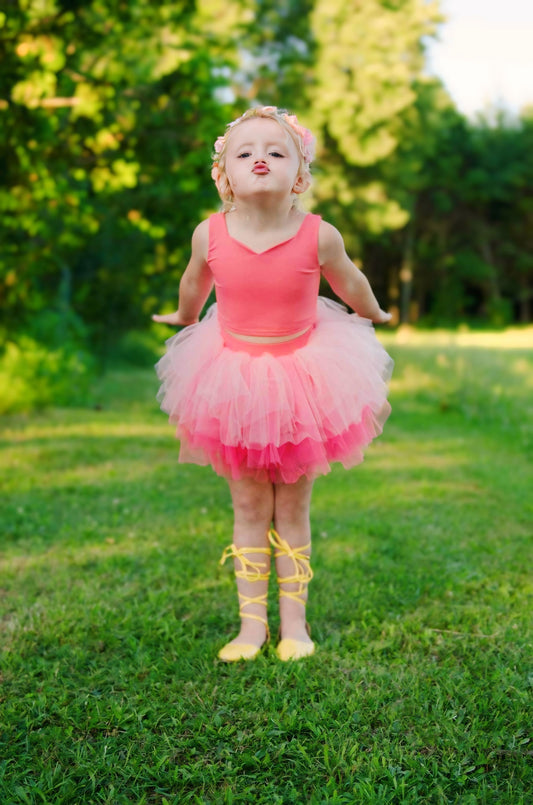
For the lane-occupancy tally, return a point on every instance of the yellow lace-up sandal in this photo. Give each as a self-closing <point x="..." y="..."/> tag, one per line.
<point x="289" y="649"/>
<point x="251" y="572"/>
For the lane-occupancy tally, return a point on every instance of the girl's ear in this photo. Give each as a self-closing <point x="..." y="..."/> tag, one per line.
<point x="301" y="184"/>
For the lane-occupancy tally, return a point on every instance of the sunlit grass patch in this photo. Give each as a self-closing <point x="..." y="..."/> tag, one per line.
<point x="510" y="338"/>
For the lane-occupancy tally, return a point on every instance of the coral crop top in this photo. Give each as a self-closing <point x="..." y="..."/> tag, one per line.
<point x="270" y="293"/>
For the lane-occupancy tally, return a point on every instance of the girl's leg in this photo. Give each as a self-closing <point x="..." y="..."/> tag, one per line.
<point x="253" y="507"/>
<point x="292" y="523"/>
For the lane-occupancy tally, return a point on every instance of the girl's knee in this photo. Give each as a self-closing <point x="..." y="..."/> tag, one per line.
<point x="252" y="501"/>
<point x="292" y="503"/>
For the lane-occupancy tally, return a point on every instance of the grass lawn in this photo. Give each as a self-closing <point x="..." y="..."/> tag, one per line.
<point x="113" y="606"/>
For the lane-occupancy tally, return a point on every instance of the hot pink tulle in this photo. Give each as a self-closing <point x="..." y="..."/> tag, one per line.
<point x="277" y="417"/>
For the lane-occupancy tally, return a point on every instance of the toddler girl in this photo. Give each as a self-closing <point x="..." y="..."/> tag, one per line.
<point x="275" y="382"/>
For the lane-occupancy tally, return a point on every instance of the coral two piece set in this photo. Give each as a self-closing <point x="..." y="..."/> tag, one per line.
<point x="273" y="410"/>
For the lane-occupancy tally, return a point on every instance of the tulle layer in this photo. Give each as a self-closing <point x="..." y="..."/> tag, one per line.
<point x="276" y="417"/>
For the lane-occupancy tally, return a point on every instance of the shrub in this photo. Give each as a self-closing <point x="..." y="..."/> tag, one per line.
<point x="33" y="375"/>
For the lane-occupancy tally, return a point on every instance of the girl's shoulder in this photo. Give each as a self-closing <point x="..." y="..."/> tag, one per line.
<point x="202" y="229"/>
<point x="200" y="238"/>
<point x="328" y="235"/>
<point x="330" y="243"/>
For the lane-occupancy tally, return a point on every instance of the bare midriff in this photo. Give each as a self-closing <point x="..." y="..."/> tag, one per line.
<point x="266" y="339"/>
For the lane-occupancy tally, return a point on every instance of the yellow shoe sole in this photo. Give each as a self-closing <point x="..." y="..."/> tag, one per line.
<point x="234" y="652"/>
<point x="294" y="650"/>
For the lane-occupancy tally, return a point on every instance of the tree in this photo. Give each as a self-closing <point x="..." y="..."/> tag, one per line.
<point x="472" y="221"/>
<point x="369" y="57"/>
<point x="108" y="114"/>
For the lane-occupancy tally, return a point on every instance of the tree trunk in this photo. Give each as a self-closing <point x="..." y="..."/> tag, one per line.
<point x="406" y="275"/>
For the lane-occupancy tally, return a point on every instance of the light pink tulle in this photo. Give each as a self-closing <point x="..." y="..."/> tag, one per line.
<point x="276" y="417"/>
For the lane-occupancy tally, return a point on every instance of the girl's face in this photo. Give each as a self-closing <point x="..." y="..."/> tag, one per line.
<point x="261" y="158"/>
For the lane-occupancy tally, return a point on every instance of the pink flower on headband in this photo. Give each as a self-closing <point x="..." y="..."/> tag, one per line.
<point x="308" y="140"/>
<point x="219" y="144"/>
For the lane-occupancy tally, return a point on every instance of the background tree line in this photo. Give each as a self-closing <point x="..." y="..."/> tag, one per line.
<point x="108" y="112"/>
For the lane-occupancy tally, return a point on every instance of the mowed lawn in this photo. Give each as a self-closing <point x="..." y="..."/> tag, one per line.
<point x="113" y="605"/>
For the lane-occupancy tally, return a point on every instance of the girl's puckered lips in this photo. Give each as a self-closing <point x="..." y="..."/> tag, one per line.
<point x="261" y="168"/>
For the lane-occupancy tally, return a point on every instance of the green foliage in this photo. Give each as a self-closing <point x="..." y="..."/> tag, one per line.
<point x="48" y="365"/>
<point x="113" y="605"/>
<point x="34" y="376"/>
<point x="104" y="155"/>
<point x="108" y="112"/>
<point x="369" y="57"/>
<point x="278" y="67"/>
<point x="139" y="348"/>
<point x="473" y="201"/>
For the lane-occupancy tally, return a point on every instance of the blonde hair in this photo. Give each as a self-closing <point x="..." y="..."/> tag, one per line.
<point x="302" y="138"/>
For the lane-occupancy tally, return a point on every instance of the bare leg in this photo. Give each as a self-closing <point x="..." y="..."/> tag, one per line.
<point x="291" y="519"/>
<point x="253" y="507"/>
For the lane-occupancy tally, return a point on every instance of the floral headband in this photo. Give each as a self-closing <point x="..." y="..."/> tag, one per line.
<point x="305" y="137"/>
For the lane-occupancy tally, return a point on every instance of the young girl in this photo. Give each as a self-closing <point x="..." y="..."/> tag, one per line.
<point x="274" y="383"/>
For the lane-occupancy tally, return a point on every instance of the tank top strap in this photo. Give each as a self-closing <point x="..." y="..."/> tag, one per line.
<point x="307" y="236"/>
<point x="311" y="224"/>
<point x="217" y="231"/>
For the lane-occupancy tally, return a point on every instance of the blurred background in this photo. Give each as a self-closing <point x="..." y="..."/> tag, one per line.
<point x="108" y="114"/>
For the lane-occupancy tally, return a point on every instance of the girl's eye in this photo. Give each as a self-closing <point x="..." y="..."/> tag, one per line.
<point x="246" y="154"/>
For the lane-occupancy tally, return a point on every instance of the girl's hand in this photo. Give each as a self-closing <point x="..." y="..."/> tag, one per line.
<point x="382" y="318"/>
<point x="174" y="319"/>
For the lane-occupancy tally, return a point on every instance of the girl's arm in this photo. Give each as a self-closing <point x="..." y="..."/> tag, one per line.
<point x="195" y="284"/>
<point x="346" y="280"/>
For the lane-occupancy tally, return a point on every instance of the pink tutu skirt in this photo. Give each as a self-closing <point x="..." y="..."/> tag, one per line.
<point x="276" y="412"/>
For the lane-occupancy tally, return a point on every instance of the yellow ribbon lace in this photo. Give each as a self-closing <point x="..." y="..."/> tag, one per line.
<point x="249" y="571"/>
<point x="302" y="566"/>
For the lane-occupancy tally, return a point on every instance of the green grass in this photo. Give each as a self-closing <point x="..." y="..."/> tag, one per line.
<point x="112" y="606"/>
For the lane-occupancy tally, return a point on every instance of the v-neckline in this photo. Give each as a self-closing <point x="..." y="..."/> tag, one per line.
<point x="270" y="248"/>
